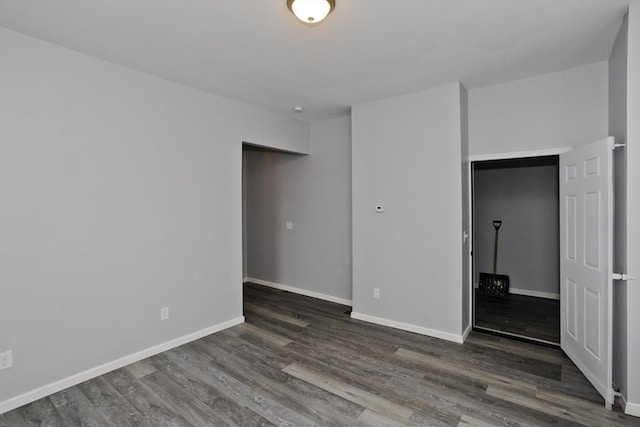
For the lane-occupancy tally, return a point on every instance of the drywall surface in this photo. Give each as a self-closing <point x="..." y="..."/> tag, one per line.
<point x="245" y="267"/>
<point x="633" y="204"/>
<point x="466" y="227"/>
<point x="562" y="109"/>
<point x="407" y="157"/>
<point x="618" y="129"/>
<point x="525" y="199"/>
<point x="120" y="194"/>
<point x="313" y="193"/>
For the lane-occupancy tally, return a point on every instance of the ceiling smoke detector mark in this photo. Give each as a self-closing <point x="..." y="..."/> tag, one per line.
<point x="298" y="109"/>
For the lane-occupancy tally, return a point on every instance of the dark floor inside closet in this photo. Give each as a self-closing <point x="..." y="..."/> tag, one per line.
<point x="533" y="317"/>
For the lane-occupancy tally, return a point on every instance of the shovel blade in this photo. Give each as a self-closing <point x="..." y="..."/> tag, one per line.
<point x="494" y="284"/>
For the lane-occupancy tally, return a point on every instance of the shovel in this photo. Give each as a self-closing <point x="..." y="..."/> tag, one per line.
<point x="494" y="284"/>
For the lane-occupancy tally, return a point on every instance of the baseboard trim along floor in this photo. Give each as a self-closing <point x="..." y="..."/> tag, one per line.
<point x="466" y="332"/>
<point x="365" y="317"/>
<point x="526" y="292"/>
<point x="630" y="408"/>
<point x="302" y="361"/>
<point x="412" y="328"/>
<point x="80" y="377"/>
<point x="299" y="291"/>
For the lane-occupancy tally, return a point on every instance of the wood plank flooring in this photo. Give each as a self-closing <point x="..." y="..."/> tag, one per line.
<point x="531" y="317"/>
<point x="299" y="361"/>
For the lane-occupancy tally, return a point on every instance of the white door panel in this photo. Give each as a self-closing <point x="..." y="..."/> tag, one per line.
<point x="586" y="230"/>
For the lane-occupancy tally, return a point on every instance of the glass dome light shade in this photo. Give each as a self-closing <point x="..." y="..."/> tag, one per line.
<point x="311" y="11"/>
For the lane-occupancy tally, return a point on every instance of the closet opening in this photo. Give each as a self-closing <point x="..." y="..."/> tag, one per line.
<point x="516" y="247"/>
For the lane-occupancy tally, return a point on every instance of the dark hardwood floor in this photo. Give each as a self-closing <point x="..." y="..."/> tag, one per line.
<point x="299" y="361"/>
<point x="532" y="317"/>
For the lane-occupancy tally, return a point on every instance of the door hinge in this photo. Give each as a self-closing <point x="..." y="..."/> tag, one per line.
<point x="619" y="276"/>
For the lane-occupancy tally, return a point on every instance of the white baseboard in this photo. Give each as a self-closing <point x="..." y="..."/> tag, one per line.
<point x="46" y="390"/>
<point x="630" y="408"/>
<point x="538" y="294"/>
<point x="466" y="333"/>
<point x="527" y="292"/>
<point x="300" y="291"/>
<point x="409" y="327"/>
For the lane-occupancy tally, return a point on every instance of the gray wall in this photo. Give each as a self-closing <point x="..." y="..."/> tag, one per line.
<point x="633" y="205"/>
<point x="245" y="267"/>
<point x="406" y="156"/>
<point x="618" y="129"/>
<point x="554" y="110"/>
<point x="466" y="207"/>
<point x="525" y="199"/>
<point x="314" y="192"/>
<point x="120" y="193"/>
<point x="624" y="109"/>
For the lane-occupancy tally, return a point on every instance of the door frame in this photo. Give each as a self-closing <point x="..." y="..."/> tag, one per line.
<point x="498" y="156"/>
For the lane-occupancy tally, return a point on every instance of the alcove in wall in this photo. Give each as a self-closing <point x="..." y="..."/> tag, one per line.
<point x="523" y="195"/>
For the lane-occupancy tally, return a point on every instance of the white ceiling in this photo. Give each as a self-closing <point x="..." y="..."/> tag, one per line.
<point x="255" y="51"/>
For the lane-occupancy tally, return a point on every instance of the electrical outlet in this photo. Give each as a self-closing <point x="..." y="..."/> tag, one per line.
<point x="289" y="225"/>
<point x="6" y="360"/>
<point x="376" y="293"/>
<point x="164" y="313"/>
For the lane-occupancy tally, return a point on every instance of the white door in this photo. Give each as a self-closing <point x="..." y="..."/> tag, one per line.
<point x="586" y="251"/>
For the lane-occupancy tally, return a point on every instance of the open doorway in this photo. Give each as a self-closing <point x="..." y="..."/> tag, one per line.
<point x="265" y="227"/>
<point x="515" y="205"/>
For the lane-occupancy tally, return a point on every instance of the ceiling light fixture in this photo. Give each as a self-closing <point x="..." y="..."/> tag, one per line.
<point x="311" y="11"/>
